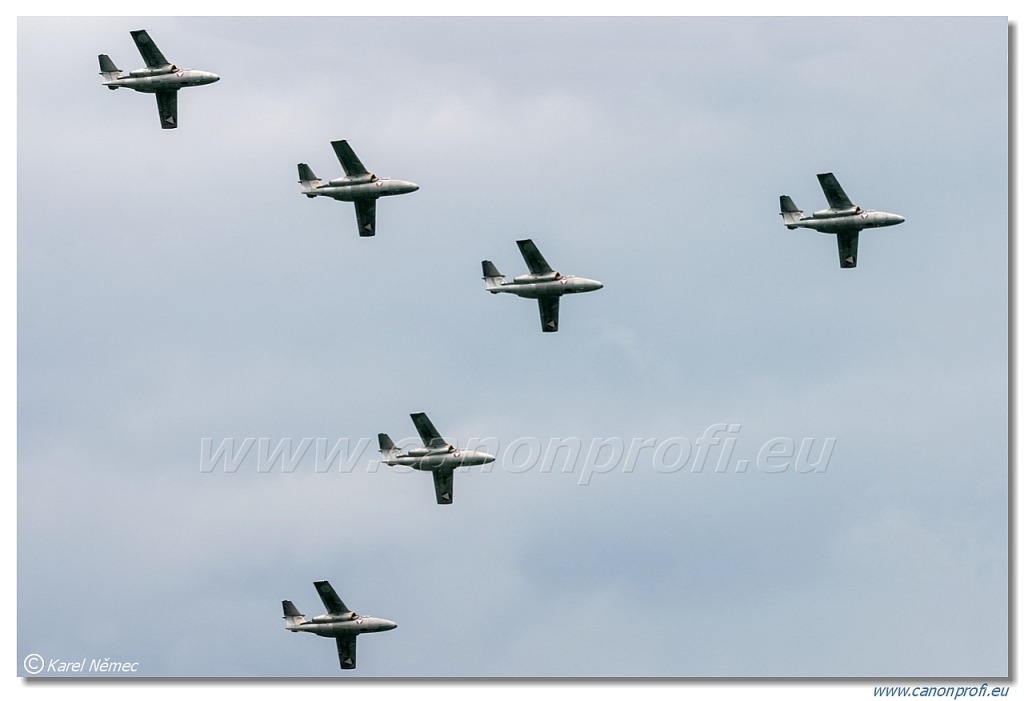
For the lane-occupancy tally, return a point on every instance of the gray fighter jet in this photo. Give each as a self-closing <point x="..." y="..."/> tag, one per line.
<point x="338" y="623"/>
<point x="542" y="284"/>
<point x="160" y="77"/>
<point x="842" y="218"/>
<point x="358" y="186"/>
<point x="437" y="456"/>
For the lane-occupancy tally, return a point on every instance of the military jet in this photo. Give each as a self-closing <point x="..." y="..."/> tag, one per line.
<point x="160" y="77"/>
<point x="542" y="284"/>
<point x="842" y="218"/>
<point x="338" y="623"/>
<point x="437" y="456"/>
<point x="358" y="186"/>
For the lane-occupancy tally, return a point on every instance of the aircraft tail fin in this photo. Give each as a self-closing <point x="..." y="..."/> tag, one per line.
<point x="790" y="212"/>
<point x="308" y="180"/>
<point x="292" y="617"/>
<point x="492" y="278"/>
<point x="109" y="71"/>
<point x="387" y="447"/>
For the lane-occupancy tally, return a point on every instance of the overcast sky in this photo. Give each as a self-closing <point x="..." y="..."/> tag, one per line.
<point x="177" y="293"/>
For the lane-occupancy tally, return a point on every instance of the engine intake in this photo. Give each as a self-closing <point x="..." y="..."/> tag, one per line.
<point x="546" y="277"/>
<point x="354" y="180"/>
<point x="160" y="70"/>
<point x="832" y="213"/>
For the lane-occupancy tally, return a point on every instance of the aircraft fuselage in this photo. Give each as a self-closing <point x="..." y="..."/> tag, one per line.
<point x="441" y="460"/>
<point x="350" y="192"/>
<point x="330" y="626"/>
<point x="833" y="222"/>
<point x="150" y="81"/>
<point x="536" y="286"/>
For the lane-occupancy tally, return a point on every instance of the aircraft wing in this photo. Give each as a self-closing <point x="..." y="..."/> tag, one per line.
<point x="431" y="438"/>
<point x="834" y="193"/>
<point x="153" y="57"/>
<point x="366" y="216"/>
<point x="443" y="485"/>
<point x="332" y="602"/>
<point x="548" y="313"/>
<point x="167" y="103"/>
<point x="346" y="651"/>
<point x="534" y="260"/>
<point x="848" y="248"/>
<point x="349" y="160"/>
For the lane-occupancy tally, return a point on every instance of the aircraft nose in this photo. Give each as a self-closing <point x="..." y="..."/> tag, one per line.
<point x="898" y="219"/>
<point x="389" y="625"/>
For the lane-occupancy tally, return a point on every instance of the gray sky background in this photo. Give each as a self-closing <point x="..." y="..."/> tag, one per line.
<point x="174" y="286"/>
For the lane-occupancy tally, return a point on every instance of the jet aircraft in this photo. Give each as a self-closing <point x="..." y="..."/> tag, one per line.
<point x="160" y="77"/>
<point x="338" y="623"/>
<point x="437" y="456"/>
<point x="543" y="284"/>
<point x="842" y="218"/>
<point x="359" y="186"/>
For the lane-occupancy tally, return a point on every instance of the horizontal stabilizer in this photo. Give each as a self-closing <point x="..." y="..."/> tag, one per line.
<point x="791" y="214"/>
<point x="308" y="180"/>
<point x="492" y="278"/>
<point x="490" y="271"/>
<point x="388" y="450"/>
